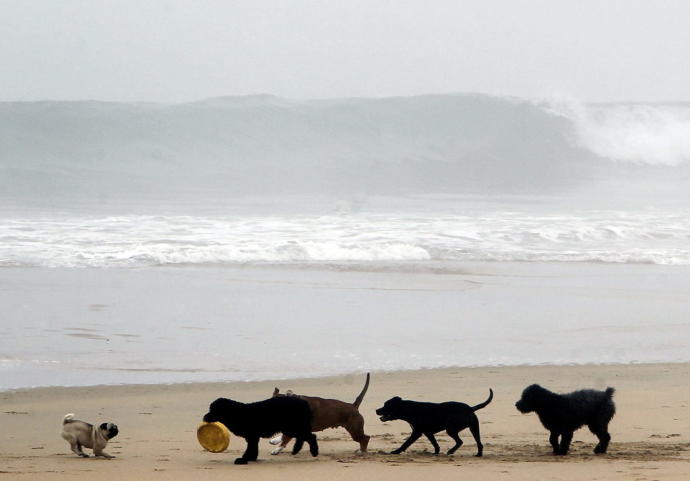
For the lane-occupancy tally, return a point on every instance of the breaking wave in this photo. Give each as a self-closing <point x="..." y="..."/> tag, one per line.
<point x="97" y="152"/>
<point x="655" y="134"/>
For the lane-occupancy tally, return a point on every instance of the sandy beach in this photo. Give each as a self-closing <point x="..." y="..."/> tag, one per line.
<point x="650" y="432"/>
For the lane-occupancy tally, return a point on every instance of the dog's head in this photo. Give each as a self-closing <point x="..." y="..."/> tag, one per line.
<point x="109" y="430"/>
<point x="390" y="409"/>
<point x="222" y="410"/>
<point x="531" y="399"/>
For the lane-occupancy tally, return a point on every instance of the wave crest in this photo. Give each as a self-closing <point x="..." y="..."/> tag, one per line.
<point x="655" y="134"/>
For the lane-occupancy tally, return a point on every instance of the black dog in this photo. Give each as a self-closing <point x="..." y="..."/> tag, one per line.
<point x="563" y="414"/>
<point x="430" y="418"/>
<point x="263" y="419"/>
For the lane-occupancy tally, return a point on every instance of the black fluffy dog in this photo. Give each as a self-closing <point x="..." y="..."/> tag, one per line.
<point x="563" y="414"/>
<point x="263" y="419"/>
<point x="429" y="418"/>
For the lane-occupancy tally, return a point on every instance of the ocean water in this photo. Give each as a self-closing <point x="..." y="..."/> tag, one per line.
<point x="256" y="238"/>
<point x="371" y="285"/>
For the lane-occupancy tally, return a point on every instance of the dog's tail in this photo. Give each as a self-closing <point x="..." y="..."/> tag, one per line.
<point x="359" y="399"/>
<point x="609" y="392"/>
<point x="485" y="403"/>
<point x="68" y="418"/>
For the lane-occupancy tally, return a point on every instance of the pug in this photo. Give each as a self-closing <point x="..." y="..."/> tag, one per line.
<point x="80" y="434"/>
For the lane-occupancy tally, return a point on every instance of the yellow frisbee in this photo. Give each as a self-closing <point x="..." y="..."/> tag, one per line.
<point x="214" y="437"/>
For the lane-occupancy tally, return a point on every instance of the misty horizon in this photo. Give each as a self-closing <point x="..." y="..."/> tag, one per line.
<point x="259" y="95"/>
<point x="178" y="52"/>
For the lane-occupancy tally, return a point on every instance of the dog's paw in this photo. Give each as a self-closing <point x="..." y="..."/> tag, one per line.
<point x="276" y="440"/>
<point x="395" y="451"/>
<point x="241" y="461"/>
<point x="277" y="451"/>
<point x="83" y="455"/>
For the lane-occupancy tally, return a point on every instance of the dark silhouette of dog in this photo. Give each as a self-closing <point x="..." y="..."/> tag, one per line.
<point x="429" y="418"/>
<point x="563" y="414"/>
<point x="263" y="419"/>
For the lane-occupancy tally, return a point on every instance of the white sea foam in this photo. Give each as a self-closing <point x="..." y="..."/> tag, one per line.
<point x="656" y="237"/>
<point x="657" y="134"/>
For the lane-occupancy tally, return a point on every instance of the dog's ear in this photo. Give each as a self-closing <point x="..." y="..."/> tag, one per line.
<point x="276" y="391"/>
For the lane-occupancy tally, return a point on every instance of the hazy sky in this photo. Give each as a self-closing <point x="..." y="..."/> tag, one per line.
<point x="185" y="50"/>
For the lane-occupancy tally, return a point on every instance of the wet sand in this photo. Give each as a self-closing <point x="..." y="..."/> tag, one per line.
<point x="650" y="433"/>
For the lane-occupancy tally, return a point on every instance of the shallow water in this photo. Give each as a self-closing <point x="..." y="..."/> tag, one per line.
<point x="186" y="324"/>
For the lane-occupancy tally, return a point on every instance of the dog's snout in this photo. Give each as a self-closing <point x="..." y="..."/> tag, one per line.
<point x="520" y="406"/>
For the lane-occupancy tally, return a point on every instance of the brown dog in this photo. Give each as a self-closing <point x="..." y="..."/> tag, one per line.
<point x="331" y="413"/>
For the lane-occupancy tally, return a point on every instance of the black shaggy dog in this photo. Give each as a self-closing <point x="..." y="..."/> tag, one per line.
<point x="563" y="414"/>
<point x="263" y="419"/>
<point x="429" y="418"/>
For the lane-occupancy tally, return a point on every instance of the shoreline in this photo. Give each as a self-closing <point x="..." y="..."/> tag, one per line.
<point x="651" y="431"/>
<point x="419" y="371"/>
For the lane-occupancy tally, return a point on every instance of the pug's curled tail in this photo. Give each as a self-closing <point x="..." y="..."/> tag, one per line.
<point x="68" y="418"/>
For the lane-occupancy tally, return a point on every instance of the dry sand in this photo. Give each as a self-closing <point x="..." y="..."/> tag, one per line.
<point x="651" y="432"/>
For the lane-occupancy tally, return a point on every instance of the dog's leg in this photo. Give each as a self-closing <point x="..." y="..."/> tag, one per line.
<point x="284" y="440"/>
<point x="553" y="439"/>
<point x="76" y="449"/>
<point x="413" y="437"/>
<point x="604" y="438"/>
<point x="103" y="454"/>
<point x="432" y="440"/>
<point x="454" y="436"/>
<point x="313" y="445"/>
<point x="474" y="429"/>
<point x="297" y="447"/>
<point x="356" y="430"/>
<point x="251" y="453"/>
<point x="565" y="442"/>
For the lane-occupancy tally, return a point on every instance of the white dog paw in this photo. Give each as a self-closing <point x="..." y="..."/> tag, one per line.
<point x="276" y="451"/>
<point x="276" y="440"/>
